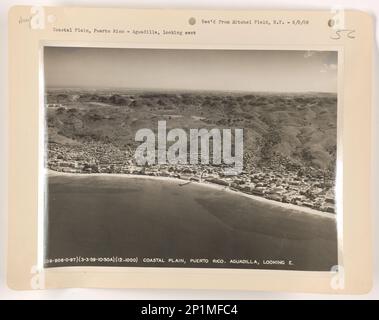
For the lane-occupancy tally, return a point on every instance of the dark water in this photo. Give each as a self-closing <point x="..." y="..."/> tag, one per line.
<point x="97" y="220"/>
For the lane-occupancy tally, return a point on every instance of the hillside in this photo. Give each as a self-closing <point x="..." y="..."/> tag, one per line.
<point x="300" y="128"/>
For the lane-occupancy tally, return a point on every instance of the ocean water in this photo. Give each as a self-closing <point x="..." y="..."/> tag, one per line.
<point x="126" y="221"/>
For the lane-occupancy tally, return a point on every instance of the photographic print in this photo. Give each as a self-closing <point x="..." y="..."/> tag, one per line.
<point x="190" y="158"/>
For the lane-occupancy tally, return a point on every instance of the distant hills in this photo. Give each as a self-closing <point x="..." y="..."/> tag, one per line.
<point x="298" y="127"/>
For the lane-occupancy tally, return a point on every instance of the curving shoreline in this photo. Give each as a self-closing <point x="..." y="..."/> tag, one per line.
<point x="291" y="206"/>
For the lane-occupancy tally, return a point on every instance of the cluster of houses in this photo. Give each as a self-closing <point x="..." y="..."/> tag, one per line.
<point x="276" y="181"/>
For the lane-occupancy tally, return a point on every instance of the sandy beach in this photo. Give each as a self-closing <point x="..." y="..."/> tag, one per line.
<point x="180" y="183"/>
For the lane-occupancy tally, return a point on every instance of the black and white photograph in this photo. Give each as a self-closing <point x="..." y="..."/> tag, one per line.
<point x="189" y="158"/>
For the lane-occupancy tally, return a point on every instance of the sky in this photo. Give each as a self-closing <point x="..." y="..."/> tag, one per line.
<point x="213" y="70"/>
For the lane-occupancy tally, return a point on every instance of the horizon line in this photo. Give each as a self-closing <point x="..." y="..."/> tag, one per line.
<point x="183" y="90"/>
